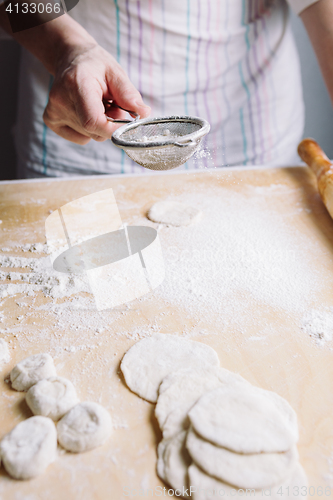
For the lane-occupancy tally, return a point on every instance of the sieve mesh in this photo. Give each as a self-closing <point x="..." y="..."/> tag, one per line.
<point x="163" y="131"/>
<point x="161" y="143"/>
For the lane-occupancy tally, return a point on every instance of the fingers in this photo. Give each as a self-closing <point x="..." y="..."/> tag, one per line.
<point x="71" y="135"/>
<point x="125" y="94"/>
<point x="75" y="109"/>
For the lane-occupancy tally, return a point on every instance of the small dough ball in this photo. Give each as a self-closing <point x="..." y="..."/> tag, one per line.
<point x="174" y="213"/>
<point x="145" y="364"/>
<point x="245" y="419"/>
<point x="4" y="352"/>
<point x="52" y="397"/>
<point x="30" y="370"/>
<point x="29" y="448"/>
<point x="173" y="461"/>
<point x="84" y="427"/>
<point x="180" y="390"/>
<point x="260" y="470"/>
<point x="203" y="485"/>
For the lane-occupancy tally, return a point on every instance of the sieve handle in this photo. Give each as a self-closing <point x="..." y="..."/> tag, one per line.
<point x="184" y="145"/>
<point x="108" y="104"/>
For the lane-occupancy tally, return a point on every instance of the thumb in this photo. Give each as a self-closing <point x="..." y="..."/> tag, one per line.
<point x="126" y="95"/>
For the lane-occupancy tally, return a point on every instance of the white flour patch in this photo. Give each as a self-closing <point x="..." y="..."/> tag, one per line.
<point x="242" y="259"/>
<point x="319" y="325"/>
<point x="39" y="275"/>
<point x="241" y="254"/>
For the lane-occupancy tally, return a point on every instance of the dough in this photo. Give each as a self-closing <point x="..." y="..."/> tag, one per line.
<point x="260" y="470"/>
<point x="84" y="427"/>
<point x="180" y="390"/>
<point x="174" y="213"/>
<point x="4" y="353"/>
<point x="245" y="419"/>
<point x="173" y="461"/>
<point x="145" y="365"/>
<point x="29" y="448"/>
<point x="202" y="486"/>
<point x="52" y="397"/>
<point x="30" y="370"/>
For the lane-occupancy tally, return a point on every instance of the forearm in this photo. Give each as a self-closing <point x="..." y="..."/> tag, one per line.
<point x="318" y="21"/>
<point x="48" y="42"/>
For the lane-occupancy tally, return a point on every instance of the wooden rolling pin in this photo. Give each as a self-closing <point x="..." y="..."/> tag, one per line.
<point x="312" y="154"/>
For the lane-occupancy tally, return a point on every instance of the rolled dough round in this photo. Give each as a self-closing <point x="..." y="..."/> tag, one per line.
<point x="52" y="397"/>
<point x="180" y="390"/>
<point x="174" y="213"/>
<point x="173" y="461"/>
<point x="145" y="365"/>
<point x="4" y="352"/>
<point x="29" y="448"/>
<point x="84" y="427"/>
<point x="203" y="485"/>
<point x="30" y="370"/>
<point x="260" y="470"/>
<point x="245" y="419"/>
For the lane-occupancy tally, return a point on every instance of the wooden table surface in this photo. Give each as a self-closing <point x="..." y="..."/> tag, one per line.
<point x="286" y="360"/>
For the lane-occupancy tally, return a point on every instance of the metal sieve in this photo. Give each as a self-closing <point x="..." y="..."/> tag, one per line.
<point x="161" y="143"/>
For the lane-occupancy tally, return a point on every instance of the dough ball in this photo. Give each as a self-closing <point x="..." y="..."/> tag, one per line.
<point x="173" y="461"/>
<point x="260" y="470"/>
<point x="202" y="486"/>
<point x="145" y="365"/>
<point x="174" y="213"/>
<point x="30" y="370"/>
<point x="52" y="397"/>
<point x="180" y="390"/>
<point x="84" y="427"/>
<point x="29" y="448"/>
<point x="4" y="352"/>
<point x="245" y="419"/>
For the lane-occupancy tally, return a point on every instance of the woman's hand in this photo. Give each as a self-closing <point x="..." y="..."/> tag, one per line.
<point x="83" y="78"/>
<point x="84" y="74"/>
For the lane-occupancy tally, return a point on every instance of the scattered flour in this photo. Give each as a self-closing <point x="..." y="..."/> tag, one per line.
<point x="319" y="325"/>
<point x="242" y="259"/>
<point x="40" y="276"/>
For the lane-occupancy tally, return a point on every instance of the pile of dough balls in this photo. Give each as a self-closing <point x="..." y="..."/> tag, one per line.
<point x="31" y="446"/>
<point x="219" y="431"/>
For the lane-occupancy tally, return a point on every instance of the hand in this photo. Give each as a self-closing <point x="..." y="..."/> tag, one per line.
<point x="84" y="76"/>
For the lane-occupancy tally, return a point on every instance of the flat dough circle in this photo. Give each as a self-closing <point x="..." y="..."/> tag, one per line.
<point x="180" y="390"/>
<point x="30" y="370"/>
<point x="29" y="448"/>
<point x="52" y="397"/>
<point x="203" y="485"/>
<point x="84" y="427"/>
<point x="174" y="213"/>
<point x="145" y="365"/>
<point x="260" y="470"/>
<point x="173" y="461"/>
<point x="245" y="419"/>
